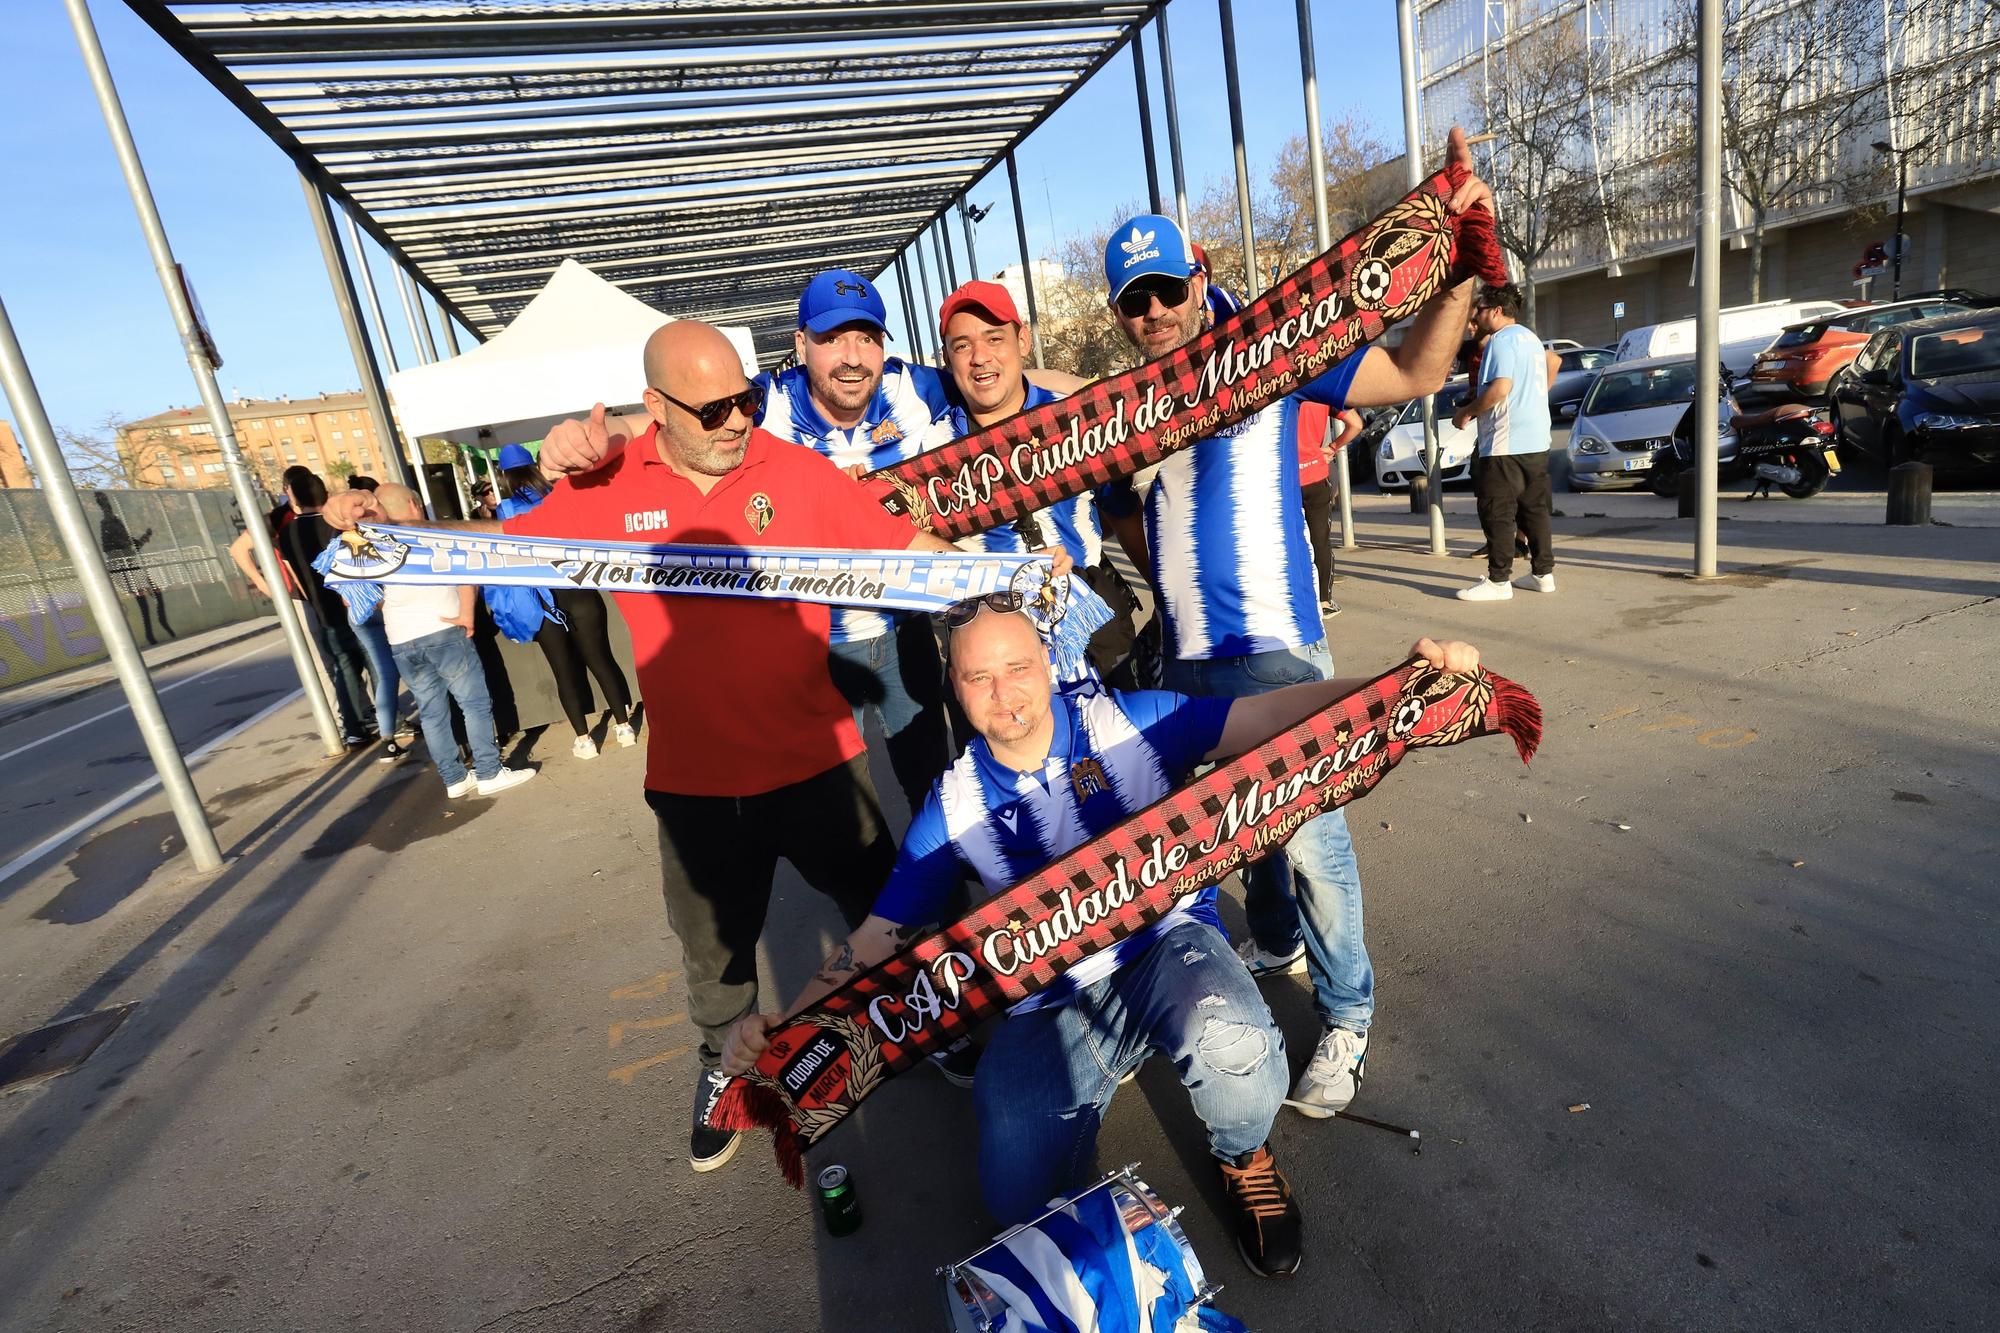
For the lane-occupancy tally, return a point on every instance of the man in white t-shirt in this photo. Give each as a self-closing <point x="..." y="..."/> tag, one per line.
<point x="1510" y="474"/>
<point x="430" y="635"/>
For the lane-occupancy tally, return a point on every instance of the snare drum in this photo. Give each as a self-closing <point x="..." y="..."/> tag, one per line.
<point x="1116" y="1224"/>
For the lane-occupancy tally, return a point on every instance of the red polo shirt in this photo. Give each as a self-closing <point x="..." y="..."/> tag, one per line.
<point x="1312" y="423"/>
<point x="738" y="699"/>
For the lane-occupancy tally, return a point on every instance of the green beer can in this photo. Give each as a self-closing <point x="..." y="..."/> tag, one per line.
<point x="839" y="1202"/>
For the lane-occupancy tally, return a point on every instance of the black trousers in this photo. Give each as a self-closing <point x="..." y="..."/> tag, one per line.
<point x="584" y="646"/>
<point x="1513" y="493"/>
<point x="1319" y="526"/>
<point x="718" y="855"/>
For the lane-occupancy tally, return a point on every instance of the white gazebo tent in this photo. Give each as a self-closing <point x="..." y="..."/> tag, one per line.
<point x="576" y="343"/>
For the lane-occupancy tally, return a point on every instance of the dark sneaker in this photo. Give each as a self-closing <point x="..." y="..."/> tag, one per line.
<point x="958" y="1062"/>
<point x="708" y="1147"/>
<point x="1270" y="1230"/>
<point x="1328" y="608"/>
<point x="391" y="753"/>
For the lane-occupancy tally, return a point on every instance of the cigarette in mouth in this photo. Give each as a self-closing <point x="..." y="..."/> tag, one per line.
<point x="1017" y="718"/>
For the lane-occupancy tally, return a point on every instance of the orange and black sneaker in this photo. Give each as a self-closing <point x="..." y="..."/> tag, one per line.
<point x="1270" y="1230"/>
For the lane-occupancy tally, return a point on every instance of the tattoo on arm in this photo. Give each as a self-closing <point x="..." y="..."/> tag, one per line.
<point x="839" y="966"/>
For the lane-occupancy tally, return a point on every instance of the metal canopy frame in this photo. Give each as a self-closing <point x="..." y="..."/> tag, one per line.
<point x="708" y="158"/>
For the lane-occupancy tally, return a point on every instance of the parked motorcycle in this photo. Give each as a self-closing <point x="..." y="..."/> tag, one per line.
<point x="1791" y="446"/>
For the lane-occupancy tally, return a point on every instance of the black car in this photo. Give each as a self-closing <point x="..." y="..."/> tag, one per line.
<point x="1579" y="366"/>
<point x="1927" y="391"/>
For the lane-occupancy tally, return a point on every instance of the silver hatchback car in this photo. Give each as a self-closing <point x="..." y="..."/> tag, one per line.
<point x="1628" y="417"/>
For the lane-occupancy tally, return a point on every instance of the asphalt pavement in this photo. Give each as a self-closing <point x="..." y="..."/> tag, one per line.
<point x="1696" y="1014"/>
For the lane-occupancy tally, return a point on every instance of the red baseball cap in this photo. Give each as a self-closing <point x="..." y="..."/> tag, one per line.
<point x="988" y="298"/>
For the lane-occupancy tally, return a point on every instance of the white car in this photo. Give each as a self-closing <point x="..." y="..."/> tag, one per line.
<point x="1744" y="331"/>
<point x="1400" y="457"/>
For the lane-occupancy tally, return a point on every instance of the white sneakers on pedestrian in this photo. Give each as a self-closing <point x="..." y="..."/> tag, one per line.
<point x="1333" y="1075"/>
<point x="501" y="781"/>
<point x="462" y="787"/>
<point x="583" y="747"/>
<point x="626" y="736"/>
<point x="1486" y="590"/>
<point x="1535" y="582"/>
<point x="1262" y="964"/>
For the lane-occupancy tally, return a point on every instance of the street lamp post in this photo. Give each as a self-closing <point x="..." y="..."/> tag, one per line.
<point x="1902" y="197"/>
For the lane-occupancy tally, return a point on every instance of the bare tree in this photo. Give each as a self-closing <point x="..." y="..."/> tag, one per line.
<point x="1940" y="90"/>
<point x="1801" y="87"/>
<point x="115" y="457"/>
<point x="1534" y="101"/>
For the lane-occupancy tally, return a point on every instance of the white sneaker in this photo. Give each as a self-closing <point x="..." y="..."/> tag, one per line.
<point x="626" y="736"/>
<point x="1538" y="582"/>
<point x="505" y="778"/>
<point x="1333" y="1075"/>
<point x="462" y="787"/>
<point x="1262" y="964"/>
<point x="583" y="747"/>
<point x="1486" y="590"/>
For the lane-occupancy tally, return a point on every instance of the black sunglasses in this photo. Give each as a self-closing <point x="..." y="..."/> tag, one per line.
<point x="1137" y="298"/>
<point x="963" y="613"/>
<point x="712" y="415"/>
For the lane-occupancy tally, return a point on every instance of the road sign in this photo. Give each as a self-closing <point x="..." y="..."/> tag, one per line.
<point x="1617" y="310"/>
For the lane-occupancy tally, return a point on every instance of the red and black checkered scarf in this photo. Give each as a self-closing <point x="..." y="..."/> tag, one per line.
<point x="1285" y="338"/>
<point x="822" y="1062"/>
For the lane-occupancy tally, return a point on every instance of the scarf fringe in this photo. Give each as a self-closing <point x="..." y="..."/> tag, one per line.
<point x="1478" y="255"/>
<point x="745" y="1106"/>
<point x="1518" y="713"/>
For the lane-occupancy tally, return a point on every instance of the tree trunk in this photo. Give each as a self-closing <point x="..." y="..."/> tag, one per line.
<point x="1757" y="260"/>
<point x="1528" y="298"/>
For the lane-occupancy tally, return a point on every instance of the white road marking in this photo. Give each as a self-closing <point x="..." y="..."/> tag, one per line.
<point x="131" y="794"/>
<point x="126" y="707"/>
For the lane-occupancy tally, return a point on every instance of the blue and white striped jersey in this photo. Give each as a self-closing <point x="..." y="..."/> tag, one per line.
<point x="896" y="426"/>
<point x="1232" y="570"/>
<point x="1073" y="522"/>
<point x="1113" y="755"/>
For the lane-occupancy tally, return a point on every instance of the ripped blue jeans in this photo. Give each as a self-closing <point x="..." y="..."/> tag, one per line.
<point x="1047" y="1075"/>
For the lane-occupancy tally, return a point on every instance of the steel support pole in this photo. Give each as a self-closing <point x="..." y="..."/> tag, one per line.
<point x="450" y="334"/>
<point x="413" y="309"/>
<point x="947" y="269"/>
<point x="924" y="278"/>
<point x="395" y="452"/>
<point x="1145" y="120"/>
<point x="368" y="290"/>
<point x="1707" y="279"/>
<point x="1027" y="261"/>
<point x="105" y="608"/>
<point x="1896" y="240"/>
<point x="1413" y="157"/>
<point x="1322" y="228"/>
<point x="1173" y="123"/>
<point x="971" y="253"/>
<point x="909" y="307"/>
<point x="1252" y="278"/>
<point x="252" y="504"/>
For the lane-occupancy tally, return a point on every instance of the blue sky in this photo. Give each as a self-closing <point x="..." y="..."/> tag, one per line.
<point x="87" y="308"/>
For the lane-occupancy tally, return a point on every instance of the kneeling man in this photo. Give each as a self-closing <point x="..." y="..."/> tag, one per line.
<point x="1047" y="772"/>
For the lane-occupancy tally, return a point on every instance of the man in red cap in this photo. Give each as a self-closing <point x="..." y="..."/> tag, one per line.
<point x="987" y="346"/>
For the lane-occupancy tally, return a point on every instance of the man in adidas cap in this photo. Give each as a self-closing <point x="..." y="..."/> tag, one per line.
<point x="1221" y="534"/>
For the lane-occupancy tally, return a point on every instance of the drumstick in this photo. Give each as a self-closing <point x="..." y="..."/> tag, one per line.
<point x="1416" y="1147"/>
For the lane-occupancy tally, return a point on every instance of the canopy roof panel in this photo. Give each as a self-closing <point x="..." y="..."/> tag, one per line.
<point x="708" y="156"/>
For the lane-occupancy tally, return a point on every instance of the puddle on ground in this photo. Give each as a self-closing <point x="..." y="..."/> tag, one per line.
<point x="1665" y="611"/>
<point x="109" y="867"/>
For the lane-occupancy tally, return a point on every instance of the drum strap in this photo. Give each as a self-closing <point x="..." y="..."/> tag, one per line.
<point x="823" y="1061"/>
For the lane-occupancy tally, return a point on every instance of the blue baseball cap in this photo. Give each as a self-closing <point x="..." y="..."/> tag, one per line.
<point x="516" y="455"/>
<point x="840" y="296"/>
<point x="1146" y="246"/>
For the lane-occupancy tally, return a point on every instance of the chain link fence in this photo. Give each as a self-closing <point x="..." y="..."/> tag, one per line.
<point x="168" y="555"/>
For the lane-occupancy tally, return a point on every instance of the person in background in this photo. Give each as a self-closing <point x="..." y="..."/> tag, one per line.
<point x="361" y="481"/>
<point x="429" y="629"/>
<point x="1318" y="454"/>
<point x="568" y="624"/>
<point x="482" y="498"/>
<point x="1510" y="473"/>
<point x="340" y="650"/>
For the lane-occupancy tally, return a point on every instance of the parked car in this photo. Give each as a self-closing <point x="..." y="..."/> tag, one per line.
<point x="1579" y="366"/>
<point x="1399" y="459"/>
<point x="1809" y="358"/>
<point x="1927" y="391"/>
<point x="1745" y="330"/>
<point x="1627" y="420"/>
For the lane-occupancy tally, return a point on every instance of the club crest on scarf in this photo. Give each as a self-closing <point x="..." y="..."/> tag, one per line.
<point x="366" y="556"/>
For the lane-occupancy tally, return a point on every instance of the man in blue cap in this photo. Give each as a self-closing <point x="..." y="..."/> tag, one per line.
<point x="1221" y="534"/>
